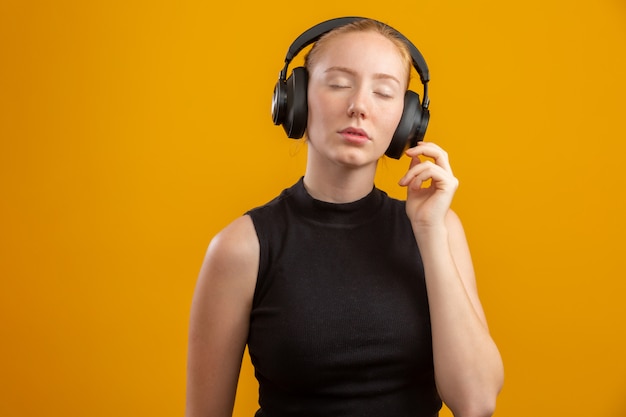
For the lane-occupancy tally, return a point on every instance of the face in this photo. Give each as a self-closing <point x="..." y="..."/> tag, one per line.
<point x="355" y="97"/>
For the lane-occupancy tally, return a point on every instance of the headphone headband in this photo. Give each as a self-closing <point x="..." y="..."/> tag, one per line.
<point x="314" y="33"/>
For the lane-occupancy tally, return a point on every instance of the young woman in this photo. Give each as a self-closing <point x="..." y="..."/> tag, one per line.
<point x="351" y="303"/>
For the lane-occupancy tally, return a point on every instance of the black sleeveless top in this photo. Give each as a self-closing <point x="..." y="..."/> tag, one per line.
<point x="340" y="325"/>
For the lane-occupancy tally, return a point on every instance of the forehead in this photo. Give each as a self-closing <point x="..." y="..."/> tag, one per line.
<point x="366" y="51"/>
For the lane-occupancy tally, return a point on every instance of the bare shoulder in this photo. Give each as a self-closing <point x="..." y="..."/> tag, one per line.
<point x="232" y="258"/>
<point x="237" y="242"/>
<point x="226" y="283"/>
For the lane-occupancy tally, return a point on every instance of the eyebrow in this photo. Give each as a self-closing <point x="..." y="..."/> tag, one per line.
<point x="378" y="75"/>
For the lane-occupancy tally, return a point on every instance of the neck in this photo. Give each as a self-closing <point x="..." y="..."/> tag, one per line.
<point x="338" y="184"/>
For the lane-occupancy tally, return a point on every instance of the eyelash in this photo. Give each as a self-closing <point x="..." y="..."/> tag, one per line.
<point x="341" y="87"/>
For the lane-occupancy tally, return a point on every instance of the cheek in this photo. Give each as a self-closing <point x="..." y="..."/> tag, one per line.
<point x="391" y="119"/>
<point x="319" y="111"/>
<point x="313" y="115"/>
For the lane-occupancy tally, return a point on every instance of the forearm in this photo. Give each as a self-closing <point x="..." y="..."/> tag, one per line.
<point x="468" y="367"/>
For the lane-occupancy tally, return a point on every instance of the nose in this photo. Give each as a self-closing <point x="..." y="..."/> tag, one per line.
<point x="358" y="105"/>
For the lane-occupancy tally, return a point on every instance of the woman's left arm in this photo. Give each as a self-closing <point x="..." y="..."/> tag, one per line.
<point x="468" y="366"/>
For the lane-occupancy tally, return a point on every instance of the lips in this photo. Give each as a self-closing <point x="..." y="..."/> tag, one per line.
<point x="355" y="133"/>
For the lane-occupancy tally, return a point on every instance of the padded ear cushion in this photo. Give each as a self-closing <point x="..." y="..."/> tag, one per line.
<point x="297" y="106"/>
<point x="411" y="128"/>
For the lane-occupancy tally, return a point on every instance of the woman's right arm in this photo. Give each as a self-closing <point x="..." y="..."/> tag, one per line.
<point x="219" y="320"/>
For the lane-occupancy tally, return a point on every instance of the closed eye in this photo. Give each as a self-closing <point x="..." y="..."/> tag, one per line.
<point x="383" y="95"/>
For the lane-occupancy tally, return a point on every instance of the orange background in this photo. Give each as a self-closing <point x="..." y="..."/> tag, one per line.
<point x="131" y="132"/>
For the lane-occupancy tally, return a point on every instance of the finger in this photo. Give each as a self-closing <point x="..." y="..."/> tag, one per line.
<point x="425" y="170"/>
<point x="430" y="175"/>
<point x="433" y="151"/>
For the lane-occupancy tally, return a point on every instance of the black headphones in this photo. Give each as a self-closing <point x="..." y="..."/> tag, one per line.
<point x="289" y="102"/>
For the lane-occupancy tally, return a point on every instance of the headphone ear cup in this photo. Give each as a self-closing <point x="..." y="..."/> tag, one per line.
<point x="296" y="109"/>
<point x="411" y="128"/>
<point x="279" y="102"/>
<point x="420" y="132"/>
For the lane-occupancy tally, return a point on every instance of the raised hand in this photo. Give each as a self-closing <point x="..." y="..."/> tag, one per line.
<point x="430" y="185"/>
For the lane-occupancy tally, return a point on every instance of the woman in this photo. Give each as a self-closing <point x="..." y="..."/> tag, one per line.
<point x="351" y="303"/>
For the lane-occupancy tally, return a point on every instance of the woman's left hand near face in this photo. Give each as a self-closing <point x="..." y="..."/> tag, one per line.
<point x="428" y="204"/>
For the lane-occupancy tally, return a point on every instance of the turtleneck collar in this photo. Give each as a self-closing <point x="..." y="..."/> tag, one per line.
<point x="338" y="214"/>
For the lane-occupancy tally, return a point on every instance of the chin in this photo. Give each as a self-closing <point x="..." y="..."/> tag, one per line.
<point x="356" y="158"/>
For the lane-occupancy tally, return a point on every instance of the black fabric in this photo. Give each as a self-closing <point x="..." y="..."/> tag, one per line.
<point x="340" y="323"/>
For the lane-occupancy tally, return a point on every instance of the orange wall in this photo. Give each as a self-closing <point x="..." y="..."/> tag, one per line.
<point x="131" y="133"/>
